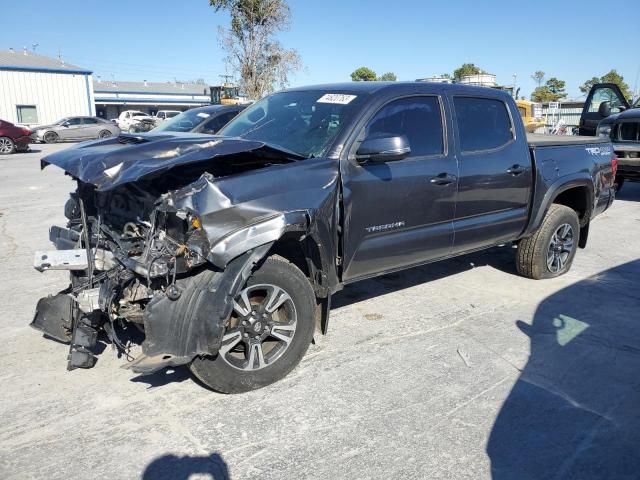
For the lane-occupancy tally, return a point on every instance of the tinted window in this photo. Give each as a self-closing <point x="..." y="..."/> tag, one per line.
<point x="74" y="121"/>
<point x="418" y="118"/>
<point x="215" y="124"/>
<point x="89" y="121"/>
<point x="483" y="123"/>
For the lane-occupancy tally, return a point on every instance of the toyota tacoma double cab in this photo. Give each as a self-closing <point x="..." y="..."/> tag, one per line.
<point x="607" y="113"/>
<point x="225" y="251"/>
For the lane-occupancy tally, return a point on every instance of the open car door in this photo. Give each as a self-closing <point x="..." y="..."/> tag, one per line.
<point x="604" y="99"/>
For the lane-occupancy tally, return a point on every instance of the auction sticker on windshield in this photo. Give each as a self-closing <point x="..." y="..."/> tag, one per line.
<point x="338" y="98"/>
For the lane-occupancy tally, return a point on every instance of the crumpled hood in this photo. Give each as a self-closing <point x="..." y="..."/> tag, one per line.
<point x="118" y="160"/>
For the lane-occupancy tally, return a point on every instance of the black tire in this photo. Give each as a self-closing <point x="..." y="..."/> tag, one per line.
<point x="619" y="182"/>
<point x="217" y="373"/>
<point x="50" y="137"/>
<point x="7" y="146"/>
<point x="104" y="134"/>
<point x="534" y="252"/>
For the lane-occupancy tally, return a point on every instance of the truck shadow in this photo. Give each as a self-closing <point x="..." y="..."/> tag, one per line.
<point x="500" y="258"/>
<point x="573" y="413"/>
<point x="174" y="467"/>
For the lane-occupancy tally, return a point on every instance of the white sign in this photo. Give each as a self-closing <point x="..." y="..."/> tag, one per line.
<point x="554" y="106"/>
<point x="338" y="98"/>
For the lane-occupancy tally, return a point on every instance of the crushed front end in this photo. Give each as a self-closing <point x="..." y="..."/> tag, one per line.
<point x="124" y="248"/>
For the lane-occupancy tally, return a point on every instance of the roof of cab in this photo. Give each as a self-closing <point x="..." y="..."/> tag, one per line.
<point x="371" y="87"/>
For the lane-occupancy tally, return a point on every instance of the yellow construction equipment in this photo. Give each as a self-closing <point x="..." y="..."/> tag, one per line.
<point x="226" y="94"/>
<point x="531" y="114"/>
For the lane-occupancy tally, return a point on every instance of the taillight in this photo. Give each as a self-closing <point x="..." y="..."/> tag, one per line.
<point x="26" y="131"/>
<point x="614" y="165"/>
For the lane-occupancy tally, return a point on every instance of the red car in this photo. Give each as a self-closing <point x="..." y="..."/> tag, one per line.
<point x="13" y="138"/>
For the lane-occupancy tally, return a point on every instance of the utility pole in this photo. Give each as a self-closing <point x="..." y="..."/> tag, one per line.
<point x="226" y="79"/>
<point x="515" y="77"/>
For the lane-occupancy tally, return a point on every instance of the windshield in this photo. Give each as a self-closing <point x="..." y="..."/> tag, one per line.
<point x="184" y="122"/>
<point x="305" y="122"/>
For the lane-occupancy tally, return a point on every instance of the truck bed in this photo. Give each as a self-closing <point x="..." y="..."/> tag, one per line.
<point x="537" y="140"/>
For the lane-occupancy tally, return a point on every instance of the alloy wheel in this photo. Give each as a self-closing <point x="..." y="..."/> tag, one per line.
<point x="6" y="145"/>
<point x="560" y="248"/>
<point x="261" y="328"/>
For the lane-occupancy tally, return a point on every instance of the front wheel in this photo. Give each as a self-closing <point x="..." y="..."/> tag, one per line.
<point x="549" y="252"/>
<point x="269" y="331"/>
<point x="50" y="137"/>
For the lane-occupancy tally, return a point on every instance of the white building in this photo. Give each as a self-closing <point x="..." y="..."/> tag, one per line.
<point x="35" y="89"/>
<point x="113" y="97"/>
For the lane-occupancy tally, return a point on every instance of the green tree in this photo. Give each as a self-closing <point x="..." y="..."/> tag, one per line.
<point x="556" y="87"/>
<point x="611" y="77"/>
<point x="551" y="91"/>
<point x="253" y="52"/>
<point x="363" y="74"/>
<point x="538" y="77"/>
<point x="388" y="77"/>
<point x="464" y="70"/>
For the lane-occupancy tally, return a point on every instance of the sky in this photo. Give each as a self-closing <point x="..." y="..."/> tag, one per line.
<point x="165" y="40"/>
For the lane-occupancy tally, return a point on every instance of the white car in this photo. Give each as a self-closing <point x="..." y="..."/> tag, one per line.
<point x="163" y="115"/>
<point x="134" y="121"/>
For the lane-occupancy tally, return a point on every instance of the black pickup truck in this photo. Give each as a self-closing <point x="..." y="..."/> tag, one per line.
<point x="225" y="250"/>
<point x="607" y="113"/>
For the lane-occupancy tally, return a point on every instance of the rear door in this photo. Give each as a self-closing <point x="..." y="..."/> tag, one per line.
<point x="592" y="113"/>
<point x="399" y="213"/>
<point x="91" y="128"/>
<point x="494" y="185"/>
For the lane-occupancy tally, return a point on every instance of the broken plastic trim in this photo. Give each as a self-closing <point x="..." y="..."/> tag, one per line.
<point x="178" y="330"/>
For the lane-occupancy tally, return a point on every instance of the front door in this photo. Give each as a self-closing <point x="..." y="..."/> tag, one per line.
<point x="495" y="178"/>
<point x="399" y="213"/>
<point x="71" y="129"/>
<point x="593" y="113"/>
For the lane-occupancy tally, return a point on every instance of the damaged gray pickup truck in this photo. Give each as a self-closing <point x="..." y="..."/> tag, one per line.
<point x="224" y="251"/>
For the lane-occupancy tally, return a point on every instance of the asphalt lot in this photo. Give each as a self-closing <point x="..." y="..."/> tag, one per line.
<point x="458" y="370"/>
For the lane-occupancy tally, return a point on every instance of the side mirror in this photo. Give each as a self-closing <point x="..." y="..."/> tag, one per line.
<point x="605" y="109"/>
<point x="65" y="124"/>
<point x="383" y="148"/>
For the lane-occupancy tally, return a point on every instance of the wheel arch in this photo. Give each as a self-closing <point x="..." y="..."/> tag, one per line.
<point x="575" y="192"/>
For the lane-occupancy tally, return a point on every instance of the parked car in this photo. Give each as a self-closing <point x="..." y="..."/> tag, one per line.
<point x="163" y="115"/>
<point x="226" y="250"/>
<point x="208" y="119"/>
<point x="607" y="113"/>
<point x="133" y="121"/>
<point x="13" y="138"/>
<point x="75" y="128"/>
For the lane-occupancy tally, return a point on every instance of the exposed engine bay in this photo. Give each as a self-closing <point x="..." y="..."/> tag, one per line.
<point x="140" y="234"/>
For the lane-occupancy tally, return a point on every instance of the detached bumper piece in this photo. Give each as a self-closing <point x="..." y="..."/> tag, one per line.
<point x="59" y="317"/>
<point x="54" y="317"/>
<point x="84" y="338"/>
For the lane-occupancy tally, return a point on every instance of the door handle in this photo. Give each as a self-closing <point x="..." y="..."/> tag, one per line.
<point x="443" y="179"/>
<point x="516" y="170"/>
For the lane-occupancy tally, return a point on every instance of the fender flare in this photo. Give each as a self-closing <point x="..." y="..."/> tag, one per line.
<point x="556" y="188"/>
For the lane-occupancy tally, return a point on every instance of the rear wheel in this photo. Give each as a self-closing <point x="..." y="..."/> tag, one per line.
<point x="549" y="252"/>
<point x="269" y="331"/>
<point x="50" y="137"/>
<point x="104" y="134"/>
<point x="7" y="146"/>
